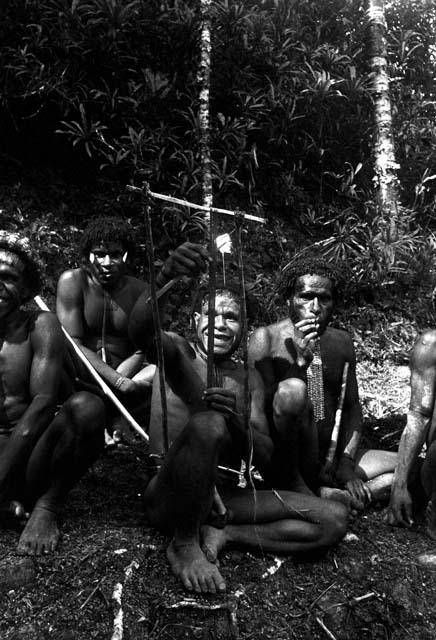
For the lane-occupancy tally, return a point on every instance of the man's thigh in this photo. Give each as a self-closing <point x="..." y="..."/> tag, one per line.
<point x="371" y="463"/>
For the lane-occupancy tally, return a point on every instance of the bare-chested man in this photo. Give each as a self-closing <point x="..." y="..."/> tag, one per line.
<point x="94" y="303"/>
<point x="301" y="360"/>
<point x="206" y="429"/>
<point x="420" y="429"/>
<point x="42" y="453"/>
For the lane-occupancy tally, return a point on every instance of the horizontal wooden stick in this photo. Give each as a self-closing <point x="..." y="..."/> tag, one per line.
<point x="97" y="377"/>
<point x="192" y="205"/>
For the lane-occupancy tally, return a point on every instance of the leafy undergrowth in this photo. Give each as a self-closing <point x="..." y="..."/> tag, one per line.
<point x="368" y="587"/>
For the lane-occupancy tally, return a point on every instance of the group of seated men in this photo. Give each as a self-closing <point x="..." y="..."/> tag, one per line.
<point x="278" y="413"/>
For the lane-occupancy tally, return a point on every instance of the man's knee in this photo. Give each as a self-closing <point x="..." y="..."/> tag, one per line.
<point x="335" y="522"/>
<point x="290" y="398"/>
<point x="87" y="412"/>
<point x="209" y="428"/>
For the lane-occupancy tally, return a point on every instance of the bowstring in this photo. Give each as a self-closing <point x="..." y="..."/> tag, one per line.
<point x="156" y="321"/>
<point x="246" y="384"/>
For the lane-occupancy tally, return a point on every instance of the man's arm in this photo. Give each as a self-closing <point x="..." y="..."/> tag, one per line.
<point x="187" y="260"/>
<point x="226" y="402"/>
<point x="262" y="442"/>
<point x="259" y="358"/>
<point x="423" y="380"/>
<point x="45" y="371"/>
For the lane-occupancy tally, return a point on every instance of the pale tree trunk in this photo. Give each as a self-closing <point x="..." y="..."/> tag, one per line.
<point x="204" y="82"/>
<point x="385" y="166"/>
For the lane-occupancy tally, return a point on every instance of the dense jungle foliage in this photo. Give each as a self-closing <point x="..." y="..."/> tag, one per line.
<point x="99" y="93"/>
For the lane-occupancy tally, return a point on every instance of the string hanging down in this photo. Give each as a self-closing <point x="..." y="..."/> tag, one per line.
<point x="156" y="318"/>
<point x="244" y="347"/>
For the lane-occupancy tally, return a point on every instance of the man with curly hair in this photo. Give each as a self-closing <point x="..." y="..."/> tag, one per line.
<point x="301" y="360"/>
<point x="94" y="302"/>
<point x="43" y="452"/>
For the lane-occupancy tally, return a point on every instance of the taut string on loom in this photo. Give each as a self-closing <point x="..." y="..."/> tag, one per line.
<point x="156" y="317"/>
<point x="244" y="348"/>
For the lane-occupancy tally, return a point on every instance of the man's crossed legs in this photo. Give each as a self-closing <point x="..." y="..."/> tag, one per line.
<point x="180" y="498"/>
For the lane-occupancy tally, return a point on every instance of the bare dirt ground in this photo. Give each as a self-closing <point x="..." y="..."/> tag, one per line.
<point x="370" y="586"/>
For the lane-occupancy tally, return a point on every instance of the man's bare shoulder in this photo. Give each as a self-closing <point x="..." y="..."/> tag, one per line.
<point x="71" y="280"/>
<point x="424" y="349"/>
<point x="137" y="284"/>
<point x="266" y="335"/>
<point x="339" y="340"/>
<point x="338" y="335"/>
<point x="427" y="338"/>
<point x="44" y="326"/>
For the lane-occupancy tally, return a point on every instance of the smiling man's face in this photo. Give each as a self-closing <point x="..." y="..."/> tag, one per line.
<point x="228" y="325"/>
<point x="13" y="289"/>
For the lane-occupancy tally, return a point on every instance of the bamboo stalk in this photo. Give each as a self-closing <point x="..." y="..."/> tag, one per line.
<point x="97" y="377"/>
<point x="337" y="425"/>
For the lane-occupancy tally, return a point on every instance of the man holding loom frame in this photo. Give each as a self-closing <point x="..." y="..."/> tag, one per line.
<point x="94" y="302"/>
<point x="42" y="453"/>
<point x="301" y="360"/>
<point x="207" y="428"/>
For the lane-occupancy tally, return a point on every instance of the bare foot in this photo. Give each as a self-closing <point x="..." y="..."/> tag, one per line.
<point x="341" y="495"/>
<point x="189" y="563"/>
<point x="213" y="541"/>
<point x="41" y="533"/>
<point x="430" y="517"/>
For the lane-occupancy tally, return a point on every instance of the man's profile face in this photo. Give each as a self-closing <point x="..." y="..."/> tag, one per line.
<point x="312" y="298"/>
<point x="107" y="262"/>
<point x="13" y="290"/>
<point x="228" y="326"/>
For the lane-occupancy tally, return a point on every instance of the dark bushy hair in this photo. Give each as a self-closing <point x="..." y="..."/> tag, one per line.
<point x="310" y="264"/>
<point x="33" y="265"/>
<point x="231" y="286"/>
<point x="107" y="229"/>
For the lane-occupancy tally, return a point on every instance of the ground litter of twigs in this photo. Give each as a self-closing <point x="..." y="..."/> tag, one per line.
<point x="369" y="586"/>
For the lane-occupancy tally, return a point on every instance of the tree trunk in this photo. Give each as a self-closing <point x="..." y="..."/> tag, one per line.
<point x="204" y="82"/>
<point x="385" y="165"/>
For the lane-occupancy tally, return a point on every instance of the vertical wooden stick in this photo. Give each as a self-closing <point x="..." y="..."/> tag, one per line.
<point x="156" y="322"/>
<point x="338" y="418"/>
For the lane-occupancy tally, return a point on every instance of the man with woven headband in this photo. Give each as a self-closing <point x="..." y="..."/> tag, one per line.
<point x="94" y="303"/>
<point x="42" y="453"/>
<point x="305" y="364"/>
<point x="207" y="438"/>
